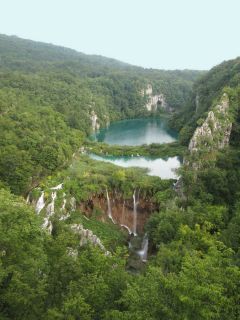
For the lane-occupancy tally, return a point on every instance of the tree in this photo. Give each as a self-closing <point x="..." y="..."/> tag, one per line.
<point x="22" y="260"/>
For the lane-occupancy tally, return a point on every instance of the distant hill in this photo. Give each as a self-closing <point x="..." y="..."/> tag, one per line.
<point x="49" y="94"/>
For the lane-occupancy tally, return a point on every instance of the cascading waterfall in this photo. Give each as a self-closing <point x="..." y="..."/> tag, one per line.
<point x="40" y="203"/>
<point x="50" y="207"/>
<point x="65" y="215"/>
<point x="47" y="224"/>
<point x="122" y="219"/>
<point x="58" y="187"/>
<point x="109" y="208"/>
<point x="64" y="204"/>
<point x="126" y="227"/>
<point x="135" y="203"/>
<point x="144" y="249"/>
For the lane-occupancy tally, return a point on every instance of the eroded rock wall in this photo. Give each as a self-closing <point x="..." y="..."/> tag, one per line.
<point x="154" y="101"/>
<point x="122" y="210"/>
<point x="215" y="131"/>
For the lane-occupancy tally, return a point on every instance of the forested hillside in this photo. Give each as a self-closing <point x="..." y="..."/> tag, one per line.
<point x="206" y="92"/>
<point x="48" y="95"/>
<point x="70" y="245"/>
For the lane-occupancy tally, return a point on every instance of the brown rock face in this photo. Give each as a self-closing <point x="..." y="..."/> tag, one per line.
<point x="122" y="210"/>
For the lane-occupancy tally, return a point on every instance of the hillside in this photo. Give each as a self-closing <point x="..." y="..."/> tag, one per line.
<point x="86" y="239"/>
<point x="51" y="97"/>
<point x="206" y="91"/>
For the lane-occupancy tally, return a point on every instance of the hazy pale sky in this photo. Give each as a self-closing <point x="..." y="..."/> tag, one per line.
<point x="164" y="34"/>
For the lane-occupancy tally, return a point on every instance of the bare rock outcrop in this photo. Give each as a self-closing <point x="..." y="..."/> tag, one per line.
<point x="215" y="131"/>
<point x="87" y="236"/>
<point x="154" y="101"/>
<point x="94" y="119"/>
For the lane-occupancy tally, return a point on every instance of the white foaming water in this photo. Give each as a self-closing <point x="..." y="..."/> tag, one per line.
<point x="135" y="203"/>
<point x="40" y="203"/>
<point x="50" y="207"/>
<point x="58" y="187"/>
<point x="109" y="208"/>
<point x="126" y="227"/>
<point x="144" y="250"/>
<point x="64" y="204"/>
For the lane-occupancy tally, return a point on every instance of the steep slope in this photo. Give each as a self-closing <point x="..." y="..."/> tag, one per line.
<point x="206" y="93"/>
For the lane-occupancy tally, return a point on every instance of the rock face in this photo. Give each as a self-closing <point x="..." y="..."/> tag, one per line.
<point x="88" y="236"/>
<point x="128" y="213"/>
<point x="215" y="131"/>
<point x="154" y="101"/>
<point x="94" y="119"/>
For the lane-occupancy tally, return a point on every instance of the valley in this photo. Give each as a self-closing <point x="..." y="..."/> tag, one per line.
<point x="119" y="190"/>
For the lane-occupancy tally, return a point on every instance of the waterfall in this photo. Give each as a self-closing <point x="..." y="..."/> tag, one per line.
<point x="50" y="207"/>
<point x="40" y="203"/>
<point x="64" y="204"/>
<point x="109" y="208"/>
<point x="135" y="203"/>
<point x="144" y="249"/>
<point x="50" y="227"/>
<point x="58" y="187"/>
<point x="126" y="227"/>
<point x="47" y="224"/>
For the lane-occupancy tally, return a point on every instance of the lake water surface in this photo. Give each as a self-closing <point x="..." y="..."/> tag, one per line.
<point x="137" y="132"/>
<point x="164" y="169"/>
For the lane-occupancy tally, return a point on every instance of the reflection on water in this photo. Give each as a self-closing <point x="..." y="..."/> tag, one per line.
<point x="137" y="132"/>
<point x="164" y="169"/>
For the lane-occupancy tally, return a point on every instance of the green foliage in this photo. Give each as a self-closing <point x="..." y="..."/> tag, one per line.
<point x="46" y="96"/>
<point x="35" y="142"/>
<point x="22" y="260"/>
<point x="206" y="92"/>
<point x="153" y="150"/>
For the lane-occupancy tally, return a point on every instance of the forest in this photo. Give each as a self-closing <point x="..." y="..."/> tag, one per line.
<point x="63" y="254"/>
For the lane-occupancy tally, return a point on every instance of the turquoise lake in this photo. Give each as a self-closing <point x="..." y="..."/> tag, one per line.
<point x="163" y="168"/>
<point x="136" y="132"/>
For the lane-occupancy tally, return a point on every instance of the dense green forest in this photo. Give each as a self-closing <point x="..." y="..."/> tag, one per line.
<point x="47" y="269"/>
<point x="47" y="95"/>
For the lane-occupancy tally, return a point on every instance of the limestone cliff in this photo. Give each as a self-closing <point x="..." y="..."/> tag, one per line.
<point x="154" y="101"/>
<point x="94" y="119"/>
<point x="215" y="131"/>
<point x="211" y="136"/>
<point x="86" y="236"/>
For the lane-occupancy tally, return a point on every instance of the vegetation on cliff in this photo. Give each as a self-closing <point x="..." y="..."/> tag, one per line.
<point x="193" y="268"/>
<point x="47" y="96"/>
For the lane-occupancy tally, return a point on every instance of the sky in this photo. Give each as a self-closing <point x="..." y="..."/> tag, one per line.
<point x="163" y="34"/>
